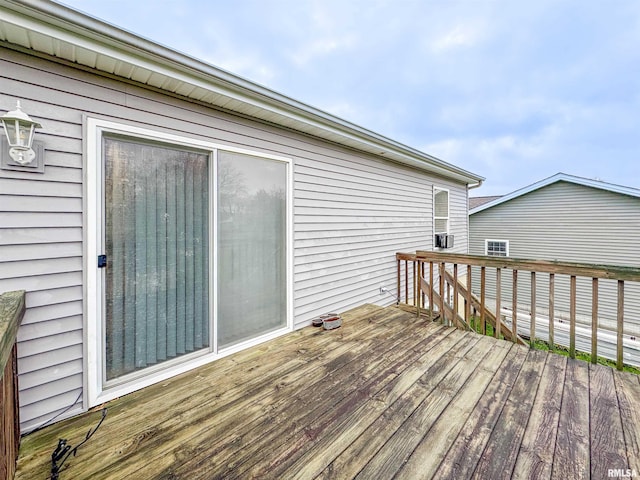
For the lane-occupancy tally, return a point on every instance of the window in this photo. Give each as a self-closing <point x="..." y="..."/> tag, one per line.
<point x="440" y="210"/>
<point x="496" y="248"/>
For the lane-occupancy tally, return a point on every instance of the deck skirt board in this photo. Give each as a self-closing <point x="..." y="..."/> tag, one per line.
<point x="387" y="395"/>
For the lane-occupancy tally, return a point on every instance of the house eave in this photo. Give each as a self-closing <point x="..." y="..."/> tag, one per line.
<point x="59" y="31"/>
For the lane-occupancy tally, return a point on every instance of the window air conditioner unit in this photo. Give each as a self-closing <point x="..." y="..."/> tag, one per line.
<point x="443" y="240"/>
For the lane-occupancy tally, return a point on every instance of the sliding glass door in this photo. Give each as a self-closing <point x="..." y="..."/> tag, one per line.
<point x="252" y="247"/>
<point x="195" y="240"/>
<point x="157" y="247"/>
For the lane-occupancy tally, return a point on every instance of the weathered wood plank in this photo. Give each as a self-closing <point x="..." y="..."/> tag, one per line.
<point x="395" y="452"/>
<point x="257" y="417"/>
<point x="426" y="457"/>
<point x="465" y="453"/>
<point x="628" y="391"/>
<point x="500" y="454"/>
<point x="571" y="458"/>
<point x="535" y="458"/>
<point x="293" y="441"/>
<point x="287" y="355"/>
<point x="385" y="388"/>
<point x="607" y="444"/>
<point x="344" y="452"/>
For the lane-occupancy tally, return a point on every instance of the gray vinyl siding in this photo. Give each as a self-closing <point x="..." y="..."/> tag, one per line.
<point x="352" y="213"/>
<point x="567" y="222"/>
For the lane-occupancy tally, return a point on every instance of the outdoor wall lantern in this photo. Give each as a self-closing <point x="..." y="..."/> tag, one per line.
<point x="19" y="129"/>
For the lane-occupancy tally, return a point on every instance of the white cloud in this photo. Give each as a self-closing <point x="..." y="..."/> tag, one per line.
<point x="458" y="36"/>
<point x="319" y="47"/>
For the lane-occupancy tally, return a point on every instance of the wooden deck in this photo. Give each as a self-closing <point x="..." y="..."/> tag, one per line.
<point x="384" y="396"/>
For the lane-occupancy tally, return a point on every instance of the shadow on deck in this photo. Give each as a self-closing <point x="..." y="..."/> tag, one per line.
<point x="386" y="395"/>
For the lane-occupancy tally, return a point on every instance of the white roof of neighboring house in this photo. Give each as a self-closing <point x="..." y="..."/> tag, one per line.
<point x="53" y="29"/>
<point x="559" y="177"/>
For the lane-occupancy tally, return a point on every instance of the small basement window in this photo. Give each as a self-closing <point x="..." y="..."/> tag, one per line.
<point x="496" y="248"/>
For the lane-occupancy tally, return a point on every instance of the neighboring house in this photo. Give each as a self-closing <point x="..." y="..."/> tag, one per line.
<point x="228" y="213"/>
<point x="564" y="218"/>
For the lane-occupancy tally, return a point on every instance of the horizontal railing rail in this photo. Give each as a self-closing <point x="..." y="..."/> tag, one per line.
<point x="442" y="285"/>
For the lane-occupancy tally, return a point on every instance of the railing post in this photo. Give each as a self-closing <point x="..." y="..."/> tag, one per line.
<point x="467" y="303"/>
<point x="431" y="289"/>
<point x="483" y="316"/>
<point x="620" y="326"/>
<point x="514" y="308"/>
<point x="398" y="284"/>
<point x="498" y="302"/>
<point x="572" y="317"/>
<point x="532" y="321"/>
<point x="552" y="343"/>
<point x="443" y="315"/>
<point x="594" y="321"/>
<point x="455" y="290"/>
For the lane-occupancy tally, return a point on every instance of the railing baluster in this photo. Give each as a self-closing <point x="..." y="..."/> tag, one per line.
<point x="532" y="320"/>
<point x="619" y="351"/>
<point x="483" y="284"/>
<point x="449" y="286"/>
<point x="514" y="307"/>
<point x="416" y="286"/>
<point x="431" y="289"/>
<point x="422" y="296"/>
<point x="552" y="343"/>
<point x="467" y="303"/>
<point x="398" y="284"/>
<point x="443" y="315"/>
<point x="594" y="321"/>
<point x="414" y="282"/>
<point x="572" y="317"/>
<point x="498" y="300"/>
<point x="406" y="282"/>
<point x="455" y="291"/>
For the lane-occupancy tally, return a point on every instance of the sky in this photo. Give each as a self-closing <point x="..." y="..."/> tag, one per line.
<point x="514" y="91"/>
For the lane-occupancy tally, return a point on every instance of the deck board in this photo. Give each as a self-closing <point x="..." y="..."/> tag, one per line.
<point x="387" y="395"/>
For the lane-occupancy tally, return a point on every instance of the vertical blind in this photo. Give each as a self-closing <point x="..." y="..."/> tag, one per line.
<point x="251" y="247"/>
<point x="157" y="246"/>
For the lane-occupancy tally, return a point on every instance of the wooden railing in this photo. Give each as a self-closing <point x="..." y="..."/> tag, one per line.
<point x="11" y="313"/>
<point x="463" y="301"/>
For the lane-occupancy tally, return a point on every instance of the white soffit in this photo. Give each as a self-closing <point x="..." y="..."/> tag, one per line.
<point x="62" y="32"/>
